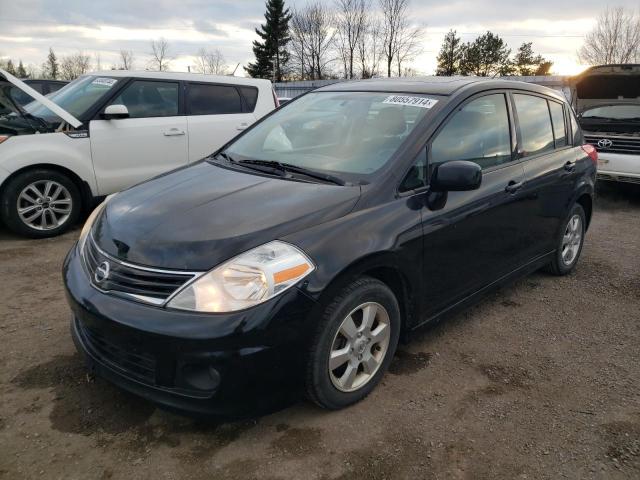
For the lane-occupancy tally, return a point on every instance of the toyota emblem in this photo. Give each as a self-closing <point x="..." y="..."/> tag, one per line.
<point x="102" y="272"/>
<point x="605" y="143"/>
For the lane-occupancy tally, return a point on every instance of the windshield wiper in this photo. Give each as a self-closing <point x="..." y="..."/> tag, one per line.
<point x="286" y="167"/>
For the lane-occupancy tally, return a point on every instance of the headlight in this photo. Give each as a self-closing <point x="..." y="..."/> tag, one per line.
<point x="89" y="223"/>
<point x="246" y="280"/>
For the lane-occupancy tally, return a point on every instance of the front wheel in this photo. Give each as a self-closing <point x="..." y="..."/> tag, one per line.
<point x="569" y="245"/>
<point x="355" y="342"/>
<point x="40" y="203"/>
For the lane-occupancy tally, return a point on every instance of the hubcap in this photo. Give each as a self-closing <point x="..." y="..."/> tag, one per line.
<point x="44" y="205"/>
<point x="359" y="347"/>
<point x="572" y="240"/>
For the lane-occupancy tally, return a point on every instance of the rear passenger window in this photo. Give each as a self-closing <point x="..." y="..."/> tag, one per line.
<point x="206" y="99"/>
<point x="250" y="95"/>
<point x="535" y="124"/>
<point x="146" y="99"/>
<point x="478" y="132"/>
<point x="559" y="129"/>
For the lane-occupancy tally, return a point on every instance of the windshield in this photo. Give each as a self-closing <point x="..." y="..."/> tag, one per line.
<point x="614" y="112"/>
<point x="341" y="132"/>
<point x="76" y="97"/>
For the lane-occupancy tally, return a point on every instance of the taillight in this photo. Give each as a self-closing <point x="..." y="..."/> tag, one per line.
<point x="275" y="98"/>
<point x="591" y="151"/>
<point x="3" y="138"/>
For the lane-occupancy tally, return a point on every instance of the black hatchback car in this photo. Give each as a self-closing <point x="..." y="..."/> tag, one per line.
<point x="301" y="252"/>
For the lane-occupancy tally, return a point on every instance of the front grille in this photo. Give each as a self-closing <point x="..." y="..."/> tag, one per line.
<point x="129" y="359"/>
<point x="619" y="144"/>
<point x="140" y="283"/>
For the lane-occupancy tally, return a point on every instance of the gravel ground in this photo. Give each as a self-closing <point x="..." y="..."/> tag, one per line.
<point x="540" y="380"/>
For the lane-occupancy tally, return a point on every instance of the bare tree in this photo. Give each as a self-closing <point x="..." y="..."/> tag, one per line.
<point x="126" y="60"/>
<point x="401" y="41"/>
<point x="74" y="65"/>
<point x="312" y="33"/>
<point x="211" y="62"/>
<point x="614" y="39"/>
<point x="370" y="48"/>
<point x="160" y="54"/>
<point x="351" y="23"/>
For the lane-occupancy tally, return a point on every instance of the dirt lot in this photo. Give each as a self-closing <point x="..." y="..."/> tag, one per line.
<point x="541" y="380"/>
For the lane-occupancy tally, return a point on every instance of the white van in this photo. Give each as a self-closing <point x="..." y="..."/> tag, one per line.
<point x="107" y="131"/>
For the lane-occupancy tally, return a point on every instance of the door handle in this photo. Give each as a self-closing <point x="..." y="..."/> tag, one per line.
<point x="173" y="132"/>
<point x="570" y="166"/>
<point x="242" y="126"/>
<point x="513" y="186"/>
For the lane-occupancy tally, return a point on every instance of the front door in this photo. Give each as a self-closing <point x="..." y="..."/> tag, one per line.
<point x="481" y="235"/>
<point x="153" y="140"/>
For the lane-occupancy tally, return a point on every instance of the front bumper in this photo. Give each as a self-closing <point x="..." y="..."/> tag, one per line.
<point x="619" y="167"/>
<point x="215" y="365"/>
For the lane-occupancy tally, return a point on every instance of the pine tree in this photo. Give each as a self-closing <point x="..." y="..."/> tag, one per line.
<point x="526" y="63"/>
<point x="21" y="71"/>
<point x="487" y="55"/>
<point x="450" y="55"/>
<point x="271" y="51"/>
<point x="50" y="68"/>
<point x="10" y="68"/>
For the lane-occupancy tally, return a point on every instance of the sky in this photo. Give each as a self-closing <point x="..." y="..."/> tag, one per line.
<point x="101" y="28"/>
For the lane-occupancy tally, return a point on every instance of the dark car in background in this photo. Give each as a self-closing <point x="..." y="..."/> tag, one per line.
<point x="44" y="87"/>
<point x="279" y="263"/>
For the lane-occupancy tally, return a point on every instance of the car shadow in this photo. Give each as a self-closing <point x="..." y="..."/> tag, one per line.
<point x="616" y="195"/>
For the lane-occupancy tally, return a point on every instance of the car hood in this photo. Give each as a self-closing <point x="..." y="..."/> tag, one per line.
<point x="197" y="217"/>
<point x="59" y="111"/>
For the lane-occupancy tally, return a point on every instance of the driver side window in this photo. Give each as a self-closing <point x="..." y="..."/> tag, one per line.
<point x="478" y="132"/>
<point x="146" y="99"/>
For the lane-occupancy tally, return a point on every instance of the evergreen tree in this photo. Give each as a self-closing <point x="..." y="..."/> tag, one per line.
<point x="450" y="55"/>
<point x="10" y="68"/>
<point x="487" y="55"/>
<point x="50" y="68"/>
<point x="271" y="51"/>
<point x="21" y="72"/>
<point x="526" y="63"/>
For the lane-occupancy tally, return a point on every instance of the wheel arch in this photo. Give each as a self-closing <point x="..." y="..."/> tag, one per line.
<point x="83" y="186"/>
<point x="586" y="202"/>
<point x="382" y="267"/>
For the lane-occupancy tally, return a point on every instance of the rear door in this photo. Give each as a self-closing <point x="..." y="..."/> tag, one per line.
<point x="478" y="236"/>
<point x="549" y="164"/>
<point x="216" y="114"/>
<point x="151" y="141"/>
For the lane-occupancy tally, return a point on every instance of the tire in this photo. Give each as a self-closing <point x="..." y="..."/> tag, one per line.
<point x="27" y="191"/>
<point x="365" y="297"/>
<point x="563" y="264"/>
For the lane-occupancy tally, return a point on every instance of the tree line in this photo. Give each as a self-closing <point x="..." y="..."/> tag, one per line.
<point x="358" y="39"/>
<point x="349" y="39"/>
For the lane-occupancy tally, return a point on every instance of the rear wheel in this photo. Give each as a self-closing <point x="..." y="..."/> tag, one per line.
<point x="570" y="242"/>
<point x="40" y="203"/>
<point x="355" y="342"/>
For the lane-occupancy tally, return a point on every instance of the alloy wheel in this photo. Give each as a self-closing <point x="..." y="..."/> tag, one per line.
<point x="572" y="240"/>
<point x="44" y="205"/>
<point x="359" y="347"/>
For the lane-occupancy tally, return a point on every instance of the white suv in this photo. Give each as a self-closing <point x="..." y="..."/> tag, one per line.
<point x="608" y="105"/>
<point x="107" y="131"/>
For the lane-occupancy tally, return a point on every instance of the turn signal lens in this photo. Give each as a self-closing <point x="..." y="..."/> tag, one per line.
<point x="246" y="280"/>
<point x="4" y="137"/>
<point x="591" y="151"/>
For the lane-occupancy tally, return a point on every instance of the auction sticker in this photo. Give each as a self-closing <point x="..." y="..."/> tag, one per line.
<point x="106" y="81"/>
<point x="422" y="102"/>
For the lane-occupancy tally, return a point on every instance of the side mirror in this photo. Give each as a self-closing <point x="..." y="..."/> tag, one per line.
<point x="456" y="176"/>
<point x="113" y="112"/>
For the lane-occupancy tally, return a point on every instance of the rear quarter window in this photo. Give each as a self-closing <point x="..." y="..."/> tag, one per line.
<point x="250" y="95"/>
